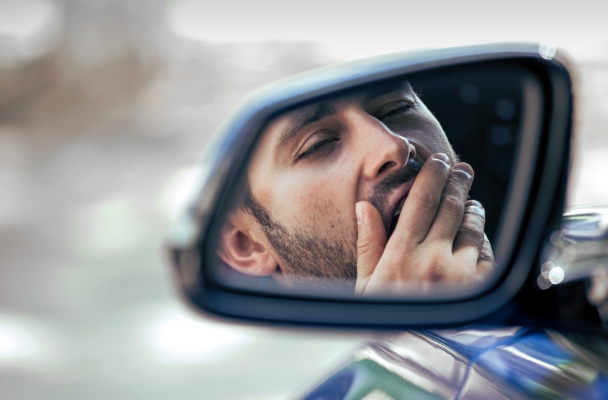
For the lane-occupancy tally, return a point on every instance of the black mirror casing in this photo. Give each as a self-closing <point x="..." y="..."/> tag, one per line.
<point x="537" y="213"/>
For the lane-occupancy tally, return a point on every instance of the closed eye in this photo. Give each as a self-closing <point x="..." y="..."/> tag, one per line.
<point x="395" y="109"/>
<point x="319" y="146"/>
<point x="396" y="112"/>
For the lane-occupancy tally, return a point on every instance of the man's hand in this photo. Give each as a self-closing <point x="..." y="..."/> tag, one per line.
<point x="439" y="236"/>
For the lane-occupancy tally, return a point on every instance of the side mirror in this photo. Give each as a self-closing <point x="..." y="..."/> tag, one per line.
<point x="273" y="232"/>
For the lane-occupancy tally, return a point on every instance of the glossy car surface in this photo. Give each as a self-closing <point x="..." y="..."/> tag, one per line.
<point x="472" y="363"/>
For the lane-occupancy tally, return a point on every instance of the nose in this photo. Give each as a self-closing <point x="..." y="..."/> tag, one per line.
<point x="383" y="151"/>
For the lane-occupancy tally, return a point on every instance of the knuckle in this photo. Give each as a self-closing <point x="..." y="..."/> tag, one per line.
<point x="483" y="256"/>
<point x="426" y="201"/>
<point x="452" y="204"/>
<point x="364" y="247"/>
<point x="434" y="270"/>
<point x="458" y="181"/>
<point x="399" y="259"/>
<point x="472" y="232"/>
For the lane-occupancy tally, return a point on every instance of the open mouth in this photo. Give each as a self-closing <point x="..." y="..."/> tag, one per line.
<point x="392" y="193"/>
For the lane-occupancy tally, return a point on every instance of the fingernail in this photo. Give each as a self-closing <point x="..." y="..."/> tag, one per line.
<point x="359" y="213"/>
<point x="441" y="157"/>
<point x="464" y="169"/>
<point x="474" y="206"/>
<point x="473" y="203"/>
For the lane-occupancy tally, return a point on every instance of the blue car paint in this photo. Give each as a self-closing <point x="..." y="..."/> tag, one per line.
<point x="497" y="363"/>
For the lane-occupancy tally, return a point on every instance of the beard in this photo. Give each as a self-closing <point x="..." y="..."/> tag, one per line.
<point x="307" y="258"/>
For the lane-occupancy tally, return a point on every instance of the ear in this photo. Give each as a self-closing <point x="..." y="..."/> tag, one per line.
<point x="244" y="247"/>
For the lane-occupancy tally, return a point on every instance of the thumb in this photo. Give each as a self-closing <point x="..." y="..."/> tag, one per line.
<point x="371" y="240"/>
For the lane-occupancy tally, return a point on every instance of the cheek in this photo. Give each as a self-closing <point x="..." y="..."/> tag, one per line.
<point x="328" y="216"/>
<point x="322" y="200"/>
<point x="310" y="201"/>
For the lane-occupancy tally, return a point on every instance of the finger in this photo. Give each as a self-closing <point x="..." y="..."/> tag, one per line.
<point x="451" y="208"/>
<point x="422" y="201"/>
<point x="471" y="231"/>
<point x="470" y="237"/>
<point x="486" y="263"/>
<point x="371" y="239"/>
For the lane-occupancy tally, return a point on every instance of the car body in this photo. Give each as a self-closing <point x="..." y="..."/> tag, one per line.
<point x="472" y="363"/>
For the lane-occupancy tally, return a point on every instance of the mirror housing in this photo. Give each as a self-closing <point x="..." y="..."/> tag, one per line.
<point x="537" y="208"/>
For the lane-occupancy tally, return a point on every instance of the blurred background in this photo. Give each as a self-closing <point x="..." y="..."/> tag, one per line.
<point x="105" y="107"/>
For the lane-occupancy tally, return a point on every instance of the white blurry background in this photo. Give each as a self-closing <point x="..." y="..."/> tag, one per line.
<point x="104" y="107"/>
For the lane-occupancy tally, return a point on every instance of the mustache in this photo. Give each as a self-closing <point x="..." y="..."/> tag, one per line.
<point x="381" y="191"/>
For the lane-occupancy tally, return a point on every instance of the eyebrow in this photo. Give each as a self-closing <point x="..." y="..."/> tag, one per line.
<point x="385" y="88"/>
<point x="302" y="119"/>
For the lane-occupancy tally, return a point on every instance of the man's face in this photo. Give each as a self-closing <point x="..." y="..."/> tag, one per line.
<point x="314" y="163"/>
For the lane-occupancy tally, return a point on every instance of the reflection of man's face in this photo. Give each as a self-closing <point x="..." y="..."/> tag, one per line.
<point x="313" y="164"/>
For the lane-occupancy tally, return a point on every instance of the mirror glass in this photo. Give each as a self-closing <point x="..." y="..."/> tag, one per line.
<point x="399" y="187"/>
